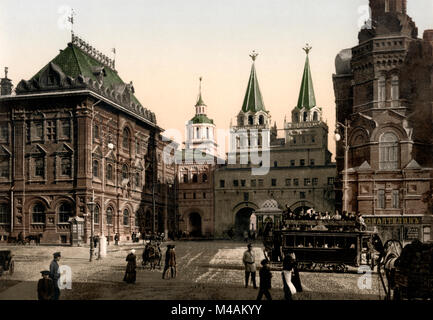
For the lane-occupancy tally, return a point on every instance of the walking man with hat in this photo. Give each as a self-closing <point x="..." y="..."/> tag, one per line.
<point x="249" y="261"/>
<point x="55" y="274"/>
<point x="45" y="287"/>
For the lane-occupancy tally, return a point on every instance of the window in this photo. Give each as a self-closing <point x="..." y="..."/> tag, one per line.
<point x="313" y="139"/>
<point x="39" y="167"/>
<point x="96" y="168"/>
<point x="253" y="183"/>
<point x="66" y="167"/>
<point x="296" y="182"/>
<point x="194" y="196"/>
<point x="125" y="139"/>
<point x="194" y="178"/>
<point x="288" y="182"/>
<point x="307" y="181"/>
<point x="294" y="140"/>
<point x="39" y="130"/>
<point x="4" y="131"/>
<point x="312" y="162"/>
<point x="38" y="215"/>
<point x="315" y="181"/>
<point x="274" y="182"/>
<point x="204" y="195"/>
<point x="427" y="234"/>
<point x="395" y="95"/>
<point x="381" y="91"/>
<point x="388" y="151"/>
<point x="261" y="182"/>
<point x="236" y="183"/>
<point x="185" y="178"/>
<point x="243" y="183"/>
<point x="222" y="183"/>
<point x="4" y="214"/>
<point x="292" y="163"/>
<point x="110" y="216"/>
<point x="125" y="172"/>
<point x="4" y="167"/>
<point x="315" y="116"/>
<point x="65" y="212"/>
<point x="51" y="130"/>
<point x="137" y="179"/>
<point x="381" y="199"/>
<point x="204" y="177"/>
<point x="137" y="219"/>
<point x="207" y="133"/>
<point x="109" y="172"/>
<point x="250" y="120"/>
<point x="184" y="195"/>
<point x="246" y="196"/>
<point x="66" y="129"/>
<point x="275" y="164"/>
<point x="331" y="181"/>
<point x="126" y="217"/>
<point x="305" y="116"/>
<point x="96" y="215"/>
<point x="302" y="195"/>
<point x="95" y="132"/>
<point x="197" y="133"/>
<point x="395" y="199"/>
<point x="302" y="162"/>
<point x="261" y="120"/>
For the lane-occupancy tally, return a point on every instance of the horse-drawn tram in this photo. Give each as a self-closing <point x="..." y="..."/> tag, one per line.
<point x="320" y="245"/>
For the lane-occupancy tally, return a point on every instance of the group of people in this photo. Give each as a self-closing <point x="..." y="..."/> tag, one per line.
<point x="131" y="267"/>
<point x="48" y="286"/>
<point x="313" y="215"/>
<point x="290" y="275"/>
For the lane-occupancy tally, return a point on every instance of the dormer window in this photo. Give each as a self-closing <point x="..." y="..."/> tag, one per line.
<point x="250" y="120"/>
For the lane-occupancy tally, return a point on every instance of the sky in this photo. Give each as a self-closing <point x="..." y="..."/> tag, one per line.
<point x="164" y="46"/>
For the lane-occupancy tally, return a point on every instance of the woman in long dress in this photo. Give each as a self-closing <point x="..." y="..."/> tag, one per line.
<point x="130" y="274"/>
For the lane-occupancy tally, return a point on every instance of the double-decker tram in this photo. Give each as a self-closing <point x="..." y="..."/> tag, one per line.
<point x="320" y="245"/>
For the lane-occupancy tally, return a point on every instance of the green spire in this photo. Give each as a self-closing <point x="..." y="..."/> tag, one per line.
<point x="200" y="101"/>
<point x="307" y="98"/>
<point x="253" y="98"/>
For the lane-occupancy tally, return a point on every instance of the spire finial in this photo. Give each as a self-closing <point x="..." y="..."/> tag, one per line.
<point x="6" y="72"/>
<point x="307" y="48"/>
<point x="254" y="55"/>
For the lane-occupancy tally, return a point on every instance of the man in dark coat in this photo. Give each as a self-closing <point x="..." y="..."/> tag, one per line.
<point x="265" y="281"/>
<point x="167" y="260"/>
<point x="45" y="287"/>
<point x="55" y="274"/>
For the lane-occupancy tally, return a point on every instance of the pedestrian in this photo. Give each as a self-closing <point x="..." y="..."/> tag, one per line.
<point x="95" y="241"/>
<point x="133" y="236"/>
<point x="167" y="260"/>
<point x="249" y="262"/>
<point x="116" y="239"/>
<point x="45" y="287"/>
<point x="172" y="262"/>
<point x="55" y="274"/>
<point x="246" y="236"/>
<point x="21" y="238"/>
<point x="265" y="281"/>
<point x="130" y="273"/>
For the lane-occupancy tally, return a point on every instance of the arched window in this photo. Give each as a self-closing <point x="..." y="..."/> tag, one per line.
<point x="109" y="172"/>
<point x="305" y="116"/>
<point x="66" y="167"/>
<point x="197" y="133"/>
<point x="241" y="121"/>
<point x="38" y="214"/>
<point x="204" y="177"/>
<point x="207" y="133"/>
<point x="261" y="120"/>
<point x="65" y="212"/>
<point x="96" y="215"/>
<point x="195" y="178"/>
<point x="109" y="216"/>
<point x="315" y="116"/>
<point x="124" y="171"/>
<point x="296" y="117"/>
<point x="95" y="132"/>
<point x="96" y="168"/>
<point x="4" y="214"/>
<point x="126" y="217"/>
<point x="125" y="139"/>
<point x="389" y="151"/>
<point x="250" y="120"/>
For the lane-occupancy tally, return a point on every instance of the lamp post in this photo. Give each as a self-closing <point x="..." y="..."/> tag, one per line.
<point x="338" y="138"/>
<point x="91" y="205"/>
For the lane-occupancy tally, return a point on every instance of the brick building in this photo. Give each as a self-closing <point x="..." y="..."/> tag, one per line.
<point x="301" y="174"/>
<point x="383" y="89"/>
<point x="76" y="130"/>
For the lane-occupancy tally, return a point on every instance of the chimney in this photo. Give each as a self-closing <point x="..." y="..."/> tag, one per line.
<point x="428" y="35"/>
<point x="6" y="85"/>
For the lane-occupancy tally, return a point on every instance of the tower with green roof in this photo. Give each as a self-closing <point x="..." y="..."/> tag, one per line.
<point x="253" y="121"/>
<point x="200" y="130"/>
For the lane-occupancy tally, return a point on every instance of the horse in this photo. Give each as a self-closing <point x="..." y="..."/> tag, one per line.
<point x="152" y="255"/>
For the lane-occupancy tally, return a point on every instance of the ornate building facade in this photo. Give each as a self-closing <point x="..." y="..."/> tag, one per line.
<point x="383" y="92"/>
<point x="75" y="134"/>
<point x="301" y="174"/>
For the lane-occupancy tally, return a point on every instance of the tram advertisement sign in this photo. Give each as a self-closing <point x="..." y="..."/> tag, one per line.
<point x="393" y="220"/>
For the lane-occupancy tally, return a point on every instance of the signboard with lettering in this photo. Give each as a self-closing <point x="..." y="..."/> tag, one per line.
<point x="392" y="220"/>
<point x="411" y="233"/>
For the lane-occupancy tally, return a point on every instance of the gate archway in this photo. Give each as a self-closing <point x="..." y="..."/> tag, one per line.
<point x="195" y="224"/>
<point x="243" y="220"/>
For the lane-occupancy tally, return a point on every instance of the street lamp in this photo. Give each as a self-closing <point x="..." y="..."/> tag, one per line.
<point x="345" y="139"/>
<point x="91" y="205"/>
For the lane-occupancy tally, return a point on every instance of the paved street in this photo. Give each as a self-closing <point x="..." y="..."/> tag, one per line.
<point x="206" y="271"/>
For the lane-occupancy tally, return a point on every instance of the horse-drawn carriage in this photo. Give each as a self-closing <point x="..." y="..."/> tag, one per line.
<point x="152" y="255"/>
<point x="6" y="262"/>
<point x="408" y="271"/>
<point x="321" y="245"/>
